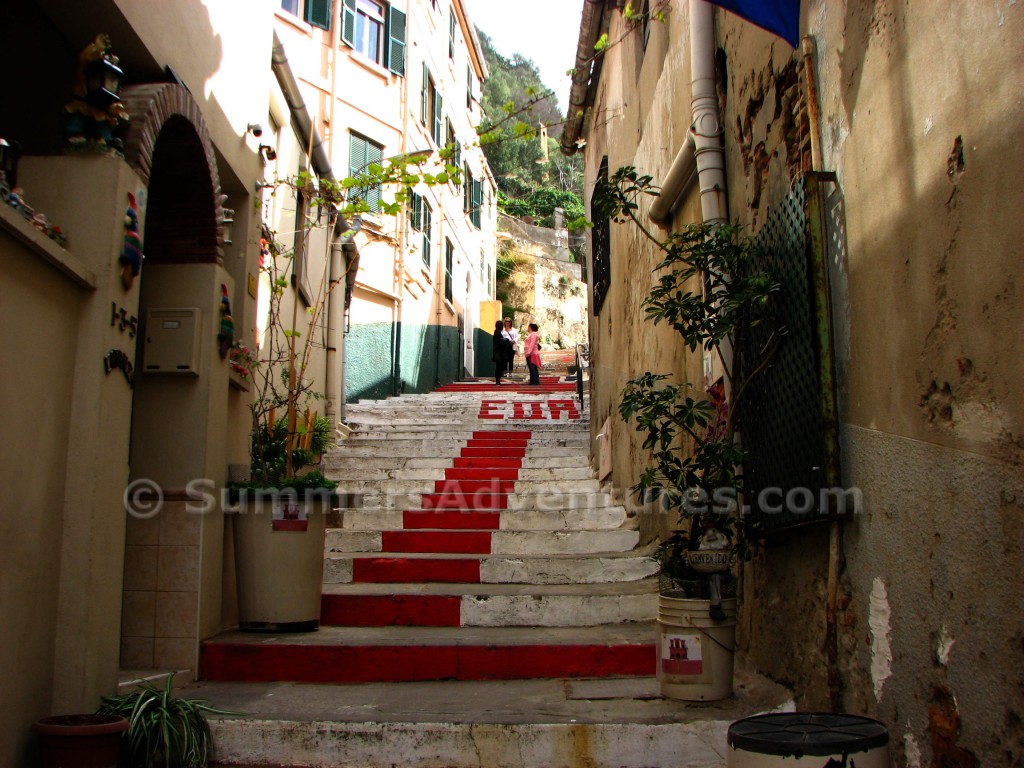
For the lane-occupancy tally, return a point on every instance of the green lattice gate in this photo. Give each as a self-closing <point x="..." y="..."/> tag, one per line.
<point x="788" y="423"/>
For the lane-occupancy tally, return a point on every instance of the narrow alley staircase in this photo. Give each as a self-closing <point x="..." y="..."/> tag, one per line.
<point x="483" y="579"/>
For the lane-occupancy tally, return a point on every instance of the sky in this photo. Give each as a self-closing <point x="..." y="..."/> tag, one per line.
<point x="545" y="31"/>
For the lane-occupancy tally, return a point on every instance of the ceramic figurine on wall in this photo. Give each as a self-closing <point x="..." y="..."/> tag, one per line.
<point x="131" y="254"/>
<point x="226" y="336"/>
<point x="95" y="109"/>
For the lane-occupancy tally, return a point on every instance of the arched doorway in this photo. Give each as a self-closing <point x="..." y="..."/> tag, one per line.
<point x="178" y="425"/>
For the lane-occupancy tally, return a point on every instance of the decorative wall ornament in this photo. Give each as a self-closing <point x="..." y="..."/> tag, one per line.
<point x="131" y="254"/>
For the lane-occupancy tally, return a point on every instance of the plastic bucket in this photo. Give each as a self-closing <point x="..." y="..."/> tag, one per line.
<point x="811" y="739"/>
<point x="695" y="653"/>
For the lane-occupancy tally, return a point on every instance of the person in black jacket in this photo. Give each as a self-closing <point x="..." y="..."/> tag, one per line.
<point x="501" y="351"/>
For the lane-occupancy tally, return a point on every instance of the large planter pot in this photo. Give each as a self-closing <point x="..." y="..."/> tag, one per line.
<point x="279" y="557"/>
<point x="695" y="652"/>
<point x="79" y="741"/>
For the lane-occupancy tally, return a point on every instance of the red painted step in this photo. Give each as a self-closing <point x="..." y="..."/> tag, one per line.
<point x="482" y="473"/>
<point x="391" y="610"/>
<point x="448" y="542"/>
<point x="413" y="570"/>
<point x="300" y="663"/>
<point x="480" y="443"/>
<point x="451" y="519"/>
<point x="501" y="434"/>
<point x="483" y="462"/>
<point x="466" y="501"/>
<point x="472" y="487"/>
<point x="497" y="453"/>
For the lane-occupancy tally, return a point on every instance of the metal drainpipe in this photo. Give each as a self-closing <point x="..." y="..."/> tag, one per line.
<point x="833" y="471"/>
<point x="334" y="384"/>
<point x="706" y="129"/>
<point x="403" y="224"/>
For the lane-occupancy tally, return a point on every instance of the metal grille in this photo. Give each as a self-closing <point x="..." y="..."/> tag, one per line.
<point x="600" y="236"/>
<point x="782" y="424"/>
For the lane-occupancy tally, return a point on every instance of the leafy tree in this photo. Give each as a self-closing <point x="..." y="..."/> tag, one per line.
<point x="515" y="104"/>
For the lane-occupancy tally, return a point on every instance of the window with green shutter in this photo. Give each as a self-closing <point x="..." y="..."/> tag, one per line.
<point x="318" y="13"/>
<point x="469" y="86"/>
<point x="451" y="33"/>
<point x="449" y="264"/>
<point x="476" y="203"/>
<point x="396" y="41"/>
<point x="361" y="153"/>
<point x="375" y="29"/>
<point x="438" y="115"/>
<point x="425" y="219"/>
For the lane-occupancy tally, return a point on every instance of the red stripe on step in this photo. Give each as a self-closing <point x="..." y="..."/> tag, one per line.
<point x="490" y="416"/>
<point x="413" y="519"/>
<point x="478" y="443"/>
<point x="465" y="501"/>
<point x="498" y="453"/>
<point x="471" y="487"/>
<point x="484" y="462"/>
<point x="281" y="662"/>
<point x="449" y="542"/>
<point x="485" y="473"/>
<point x="390" y="610"/>
<point x="500" y="434"/>
<point x="393" y="570"/>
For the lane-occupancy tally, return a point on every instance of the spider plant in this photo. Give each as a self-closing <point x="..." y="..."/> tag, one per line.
<point x="162" y="730"/>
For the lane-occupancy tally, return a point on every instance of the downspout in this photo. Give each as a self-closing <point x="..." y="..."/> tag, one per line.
<point x="701" y="150"/>
<point x="403" y="243"/>
<point x="343" y="249"/>
<point x="833" y="468"/>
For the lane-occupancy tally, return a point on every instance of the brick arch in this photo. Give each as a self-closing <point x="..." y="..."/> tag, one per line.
<point x="169" y="145"/>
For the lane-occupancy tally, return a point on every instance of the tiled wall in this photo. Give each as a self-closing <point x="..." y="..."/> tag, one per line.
<point x="160" y="612"/>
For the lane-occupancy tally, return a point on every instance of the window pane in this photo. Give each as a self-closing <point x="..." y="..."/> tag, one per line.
<point x="291" y="6"/>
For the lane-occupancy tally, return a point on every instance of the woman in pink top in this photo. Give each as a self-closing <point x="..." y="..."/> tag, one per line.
<point x="531" y="349"/>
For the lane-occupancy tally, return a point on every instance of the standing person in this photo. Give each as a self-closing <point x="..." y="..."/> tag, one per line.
<point x="531" y="348"/>
<point x="500" y="350"/>
<point x="513" y="335"/>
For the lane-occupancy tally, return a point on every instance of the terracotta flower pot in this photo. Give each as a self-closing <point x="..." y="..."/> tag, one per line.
<point x="79" y="741"/>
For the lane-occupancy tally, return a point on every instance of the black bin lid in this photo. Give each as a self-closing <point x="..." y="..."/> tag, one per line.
<point x="807" y="733"/>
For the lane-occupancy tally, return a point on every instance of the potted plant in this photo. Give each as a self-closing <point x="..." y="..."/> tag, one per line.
<point x="710" y="293"/>
<point x="84" y="741"/>
<point x="162" y="730"/>
<point x="280" y="511"/>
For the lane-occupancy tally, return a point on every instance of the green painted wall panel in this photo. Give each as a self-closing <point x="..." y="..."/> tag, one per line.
<point x="369" y="373"/>
<point x="483" y="344"/>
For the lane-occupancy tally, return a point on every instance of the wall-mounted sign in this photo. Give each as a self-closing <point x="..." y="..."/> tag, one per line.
<point x="253" y="285"/>
<point x="118" y="359"/>
<point x="119" y="316"/>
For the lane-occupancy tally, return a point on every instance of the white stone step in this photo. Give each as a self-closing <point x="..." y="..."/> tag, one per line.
<point x="334" y="461"/>
<point x="564" y="437"/>
<point x="545" y="501"/>
<point x="434" y="449"/>
<point x="358" y="472"/>
<point x="395" y="486"/>
<point x="592" y="518"/>
<point x="506" y="569"/>
<point x="530" y="605"/>
<point x="504" y="542"/>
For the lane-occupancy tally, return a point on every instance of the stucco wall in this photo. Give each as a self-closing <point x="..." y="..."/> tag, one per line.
<point x="921" y="114"/>
<point x="40" y="307"/>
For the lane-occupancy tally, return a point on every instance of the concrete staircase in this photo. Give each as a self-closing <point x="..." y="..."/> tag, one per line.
<point x="482" y="562"/>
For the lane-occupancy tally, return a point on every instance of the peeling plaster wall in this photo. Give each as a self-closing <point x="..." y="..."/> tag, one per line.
<point x="921" y="111"/>
<point x="921" y="116"/>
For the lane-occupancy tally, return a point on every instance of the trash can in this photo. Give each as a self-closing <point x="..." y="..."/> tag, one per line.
<point x="807" y="739"/>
